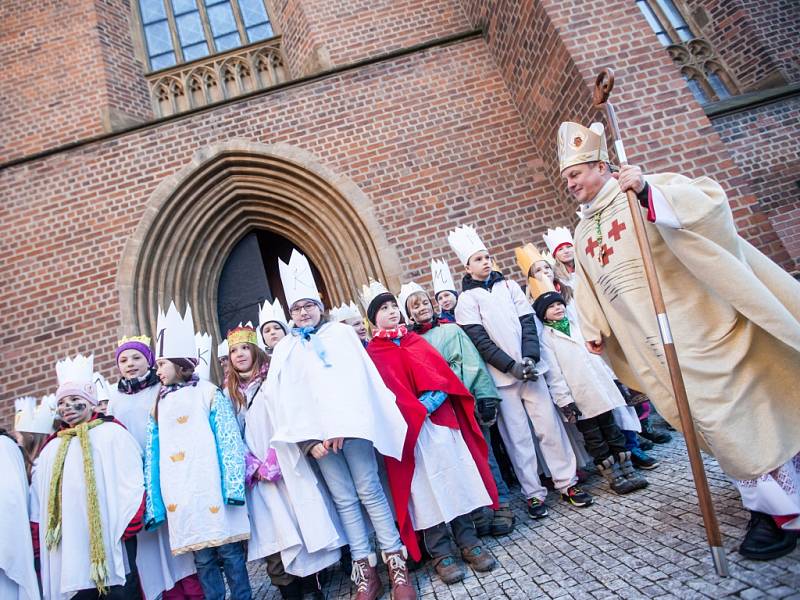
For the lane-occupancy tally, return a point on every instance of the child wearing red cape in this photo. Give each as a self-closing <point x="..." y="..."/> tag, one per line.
<point x="444" y="472"/>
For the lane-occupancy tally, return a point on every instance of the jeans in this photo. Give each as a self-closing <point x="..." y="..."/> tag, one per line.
<point x="438" y="542"/>
<point x="352" y="478"/>
<point x="631" y="441"/>
<point x="602" y="437"/>
<point x="234" y="564"/>
<point x="502" y="487"/>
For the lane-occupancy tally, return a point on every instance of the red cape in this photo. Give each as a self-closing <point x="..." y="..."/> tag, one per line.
<point x="408" y="370"/>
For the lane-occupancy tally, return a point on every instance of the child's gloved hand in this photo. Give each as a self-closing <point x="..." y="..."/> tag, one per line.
<point x="518" y="370"/>
<point x="487" y="411"/>
<point x="570" y="412"/>
<point x="529" y="369"/>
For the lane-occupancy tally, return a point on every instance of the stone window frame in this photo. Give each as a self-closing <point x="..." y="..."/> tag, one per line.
<point x="140" y="42"/>
<point x="699" y="64"/>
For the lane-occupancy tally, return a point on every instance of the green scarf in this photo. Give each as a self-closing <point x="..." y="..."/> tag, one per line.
<point x="562" y="325"/>
<point x="98" y="566"/>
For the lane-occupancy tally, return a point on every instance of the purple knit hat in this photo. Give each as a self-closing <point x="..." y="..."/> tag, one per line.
<point x="136" y="343"/>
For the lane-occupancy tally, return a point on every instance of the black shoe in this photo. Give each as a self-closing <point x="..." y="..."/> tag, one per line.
<point x="644" y="443"/>
<point x="536" y="509"/>
<point x="577" y="497"/>
<point x="650" y="433"/>
<point x="292" y="591"/>
<point x="765" y="540"/>
<point x="642" y="460"/>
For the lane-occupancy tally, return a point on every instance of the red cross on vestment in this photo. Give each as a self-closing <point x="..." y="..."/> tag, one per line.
<point x="605" y="252"/>
<point x="616" y="229"/>
<point x="591" y="246"/>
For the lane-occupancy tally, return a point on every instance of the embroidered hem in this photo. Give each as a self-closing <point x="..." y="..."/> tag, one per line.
<point x="211" y="544"/>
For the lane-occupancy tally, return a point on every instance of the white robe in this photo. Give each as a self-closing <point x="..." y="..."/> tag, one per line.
<point x="310" y="401"/>
<point x="191" y="481"/>
<point x="17" y="576"/>
<point x="293" y="515"/>
<point x="120" y="489"/>
<point x="159" y="571"/>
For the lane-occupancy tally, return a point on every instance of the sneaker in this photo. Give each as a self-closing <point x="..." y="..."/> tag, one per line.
<point x="577" y="497"/>
<point x="536" y="509"/>
<point x="449" y="570"/>
<point x="478" y="558"/>
<point x="644" y="443"/>
<point x="642" y="460"/>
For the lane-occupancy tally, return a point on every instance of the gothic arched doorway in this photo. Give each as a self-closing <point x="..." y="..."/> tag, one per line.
<point x="250" y="275"/>
<point x="196" y="217"/>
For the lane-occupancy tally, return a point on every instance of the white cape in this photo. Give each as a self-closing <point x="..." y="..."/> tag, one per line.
<point x="294" y="515"/>
<point x="120" y="490"/>
<point x="308" y="400"/>
<point x="17" y="575"/>
<point x="158" y="569"/>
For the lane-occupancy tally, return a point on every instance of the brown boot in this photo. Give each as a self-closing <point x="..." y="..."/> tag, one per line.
<point x="448" y="569"/>
<point x="478" y="558"/>
<point x="365" y="578"/>
<point x="402" y="589"/>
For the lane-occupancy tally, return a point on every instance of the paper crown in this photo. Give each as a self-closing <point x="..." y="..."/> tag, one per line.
<point x="203" y="342"/>
<point x="102" y="389"/>
<point x="442" y="279"/>
<point x="539" y="285"/>
<point x="241" y="335"/>
<point x="465" y="242"/>
<point x="345" y="312"/>
<point x="406" y="291"/>
<point x="33" y="418"/>
<point x="578" y="144"/>
<point x="222" y="349"/>
<point x="142" y="339"/>
<point x="297" y="279"/>
<point x="555" y="238"/>
<point x="271" y="312"/>
<point x="76" y="377"/>
<point x="527" y="255"/>
<point x="175" y="334"/>
<point x="370" y="292"/>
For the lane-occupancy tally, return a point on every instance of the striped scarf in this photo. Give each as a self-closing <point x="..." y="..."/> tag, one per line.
<point x="98" y="565"/>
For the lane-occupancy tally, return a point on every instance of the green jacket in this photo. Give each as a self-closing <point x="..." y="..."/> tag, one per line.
<point x="462" y="356"/>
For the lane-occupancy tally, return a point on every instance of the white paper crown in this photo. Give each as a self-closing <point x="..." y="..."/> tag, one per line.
<point x="557" y="237"/>
<point x="370" y="292"/>
<point x="465" y="242"/>
<point x="33" y="418"/>
<point x="175" y="334"/>
<point x="78" y="370"/>
<point x="406" y="290"/>
<point x="101" y="386"/>
<point x="271" y="312"/>
<point x="442" y="279"/>
<point x="203" y="342"/>
<point x="222" y="349"/>
<point x="346" y="312"/>
<point x="297" y="279"/>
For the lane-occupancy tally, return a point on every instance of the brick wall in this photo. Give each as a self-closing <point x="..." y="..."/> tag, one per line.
<point x="763" y="141"/>
<point x="433" y="138"/>
<point x="68" y="73"/>
<point x="550" y="52"/>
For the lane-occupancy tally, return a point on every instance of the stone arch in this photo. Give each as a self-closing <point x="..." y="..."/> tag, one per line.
<point x="195" y="217"/>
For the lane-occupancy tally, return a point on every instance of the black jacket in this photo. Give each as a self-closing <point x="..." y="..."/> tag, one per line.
<point x="489" y="351"/>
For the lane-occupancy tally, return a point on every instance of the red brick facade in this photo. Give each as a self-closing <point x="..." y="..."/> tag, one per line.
<point x="462" y="131"/>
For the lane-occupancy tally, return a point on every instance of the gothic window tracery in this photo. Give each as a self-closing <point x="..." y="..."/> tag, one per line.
<point x="694" y="55"/>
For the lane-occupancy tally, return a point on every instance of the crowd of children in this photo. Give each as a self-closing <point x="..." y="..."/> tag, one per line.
<point x="327" y="438"/>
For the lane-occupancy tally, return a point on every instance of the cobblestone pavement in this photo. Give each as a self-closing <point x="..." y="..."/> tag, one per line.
<point x="649" y="544"/>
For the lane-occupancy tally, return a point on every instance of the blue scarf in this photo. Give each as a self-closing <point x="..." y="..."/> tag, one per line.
<point x="309" y="334"/>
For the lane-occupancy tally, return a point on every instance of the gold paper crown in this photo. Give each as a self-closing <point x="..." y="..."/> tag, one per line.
<point x="578" y="144"/>
<point x="142" y="339"/>
<point x="242" y="334"/>
<point x="539" y="285"/>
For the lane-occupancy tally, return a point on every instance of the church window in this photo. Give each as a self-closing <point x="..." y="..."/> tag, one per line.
<point x="698" y="63"/>
<point x="179" y="31"/>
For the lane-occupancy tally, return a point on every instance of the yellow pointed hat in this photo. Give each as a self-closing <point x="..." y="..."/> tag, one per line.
<point x="578" y="144"/>
<point x="527" y="256"/>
